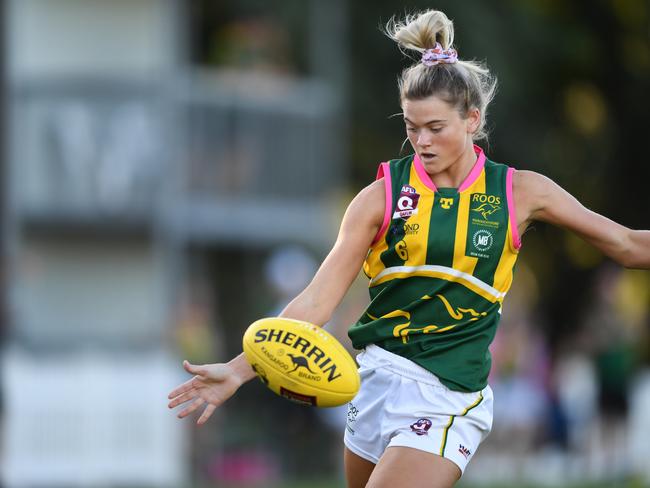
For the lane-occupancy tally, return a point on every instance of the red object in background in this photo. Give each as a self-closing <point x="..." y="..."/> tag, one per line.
<point x="251" y="468"/>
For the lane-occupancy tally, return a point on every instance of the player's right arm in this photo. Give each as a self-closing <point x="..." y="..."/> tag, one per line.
<point x="213" y="384"/>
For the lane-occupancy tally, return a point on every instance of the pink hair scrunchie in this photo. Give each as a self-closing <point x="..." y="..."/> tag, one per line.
<point x="437" y="55"/>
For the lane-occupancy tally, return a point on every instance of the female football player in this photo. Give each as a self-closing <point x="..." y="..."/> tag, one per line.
<point x="438" y="235"/>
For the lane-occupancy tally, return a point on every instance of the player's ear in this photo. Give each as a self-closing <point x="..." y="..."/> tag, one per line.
<point x="473" y="120"/>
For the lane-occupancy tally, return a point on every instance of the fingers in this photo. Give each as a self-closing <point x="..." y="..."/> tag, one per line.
<point x="194" y="368"/>
<point x="185" y="387"/>
<point x="182" y="398"/>
<point x="193" y="406"/>
<point x="206" y="414"/>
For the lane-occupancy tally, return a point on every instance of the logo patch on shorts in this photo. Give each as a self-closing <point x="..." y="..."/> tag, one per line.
<point x="464" y="451"/>
<point x="352" y="417"/>
<point x="421" y="427"/>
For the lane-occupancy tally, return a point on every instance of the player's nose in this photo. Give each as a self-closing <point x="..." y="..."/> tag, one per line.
<point x="424" y="139"/>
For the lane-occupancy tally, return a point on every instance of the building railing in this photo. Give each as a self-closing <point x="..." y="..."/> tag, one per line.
<point x="108" y="148"/>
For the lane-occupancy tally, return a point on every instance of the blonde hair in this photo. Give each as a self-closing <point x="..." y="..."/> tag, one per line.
<point x="466" y="85"/>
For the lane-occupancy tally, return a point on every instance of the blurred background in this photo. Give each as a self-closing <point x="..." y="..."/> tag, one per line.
<point x="172" y="170"/>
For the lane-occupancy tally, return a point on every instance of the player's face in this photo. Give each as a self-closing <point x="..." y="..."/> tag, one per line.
<point x="437" y="131"/>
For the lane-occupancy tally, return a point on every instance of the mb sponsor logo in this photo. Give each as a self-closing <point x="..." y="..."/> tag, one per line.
<point x="482" y="240"/>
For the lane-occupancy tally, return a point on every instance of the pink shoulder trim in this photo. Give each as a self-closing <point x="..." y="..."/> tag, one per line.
<point x="384" y="171"/>
<point x="516" y="240"/>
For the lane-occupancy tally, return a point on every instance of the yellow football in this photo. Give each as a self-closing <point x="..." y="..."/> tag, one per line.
<point x="301" y="362"/>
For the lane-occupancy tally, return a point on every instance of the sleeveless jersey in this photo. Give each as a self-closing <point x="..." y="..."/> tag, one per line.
<point x="439" y="269"/>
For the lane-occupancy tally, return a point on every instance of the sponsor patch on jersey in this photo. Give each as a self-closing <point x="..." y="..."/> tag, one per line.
<point x="484" y="209"/>
<point x="411" y="229"/>
<point x="407" y="203"/>
<point x="482" y="241"/>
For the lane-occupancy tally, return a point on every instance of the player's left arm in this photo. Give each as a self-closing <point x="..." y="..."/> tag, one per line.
<point x="539" y="198"/>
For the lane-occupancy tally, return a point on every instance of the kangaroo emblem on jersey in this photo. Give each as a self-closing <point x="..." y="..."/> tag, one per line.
<point x="407" y="203"/>
<point x="487" y="204"/>
<point x="486" y="209"/>
<point x="446" y="203"/>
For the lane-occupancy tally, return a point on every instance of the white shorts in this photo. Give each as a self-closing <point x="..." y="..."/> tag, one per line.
<point x="402" y="404"/>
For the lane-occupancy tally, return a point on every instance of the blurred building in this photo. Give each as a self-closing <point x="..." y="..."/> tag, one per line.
<point x="136" y="169"/>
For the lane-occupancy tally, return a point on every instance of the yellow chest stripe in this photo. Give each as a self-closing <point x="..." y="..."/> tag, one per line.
<point x="477" y="286"/>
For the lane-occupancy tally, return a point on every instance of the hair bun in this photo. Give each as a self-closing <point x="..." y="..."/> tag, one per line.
<point x="422" y="31"/>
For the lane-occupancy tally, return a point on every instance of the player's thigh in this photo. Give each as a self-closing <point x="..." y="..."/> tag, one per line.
<point x="405" y="466"/>
<point x="357" y="469"/>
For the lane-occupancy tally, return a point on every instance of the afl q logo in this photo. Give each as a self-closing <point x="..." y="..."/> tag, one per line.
<point x="405" y="202"/>
<point x="482" y="240"/>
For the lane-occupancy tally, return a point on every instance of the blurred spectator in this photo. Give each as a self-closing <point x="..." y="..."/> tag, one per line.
<point x="611" y="329"/>
<point x="613" y="342"/>
<point x="576" y="386"/>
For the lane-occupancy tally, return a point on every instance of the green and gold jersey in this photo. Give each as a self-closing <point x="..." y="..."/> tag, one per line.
<point x="439" y="269"/>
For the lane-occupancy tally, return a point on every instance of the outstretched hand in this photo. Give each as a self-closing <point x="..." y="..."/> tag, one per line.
<point x="212" y="384"/>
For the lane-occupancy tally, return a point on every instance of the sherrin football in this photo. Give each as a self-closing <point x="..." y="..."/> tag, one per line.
<point x="301" y="362"/>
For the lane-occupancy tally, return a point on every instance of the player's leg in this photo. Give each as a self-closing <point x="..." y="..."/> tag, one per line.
<point x="405" y="466"/>
<point x="357" y="469"/>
